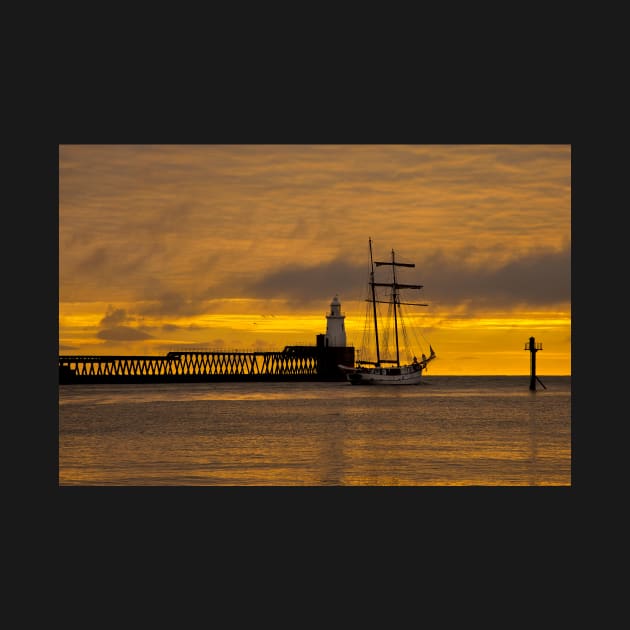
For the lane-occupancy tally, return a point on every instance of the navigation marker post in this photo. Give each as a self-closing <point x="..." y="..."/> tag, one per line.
<point x="533" y="347"/>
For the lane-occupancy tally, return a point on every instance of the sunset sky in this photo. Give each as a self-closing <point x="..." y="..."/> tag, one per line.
<point x="165" y="247"/>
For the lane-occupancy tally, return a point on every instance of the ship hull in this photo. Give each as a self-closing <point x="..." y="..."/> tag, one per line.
<point x="407" y="375"/>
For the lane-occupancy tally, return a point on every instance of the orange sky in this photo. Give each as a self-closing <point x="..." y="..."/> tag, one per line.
<point x="167" y="247"/>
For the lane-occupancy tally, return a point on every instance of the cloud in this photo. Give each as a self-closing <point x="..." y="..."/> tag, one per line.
<point x="171" y="303"/>
<point x="116" y="331"/>
<point x="471" y="278"/>
<point x="114" y="316"/>
<point x="123" y="333"/>
<point x="536" y="278"/>
<point x="174" y="228"/>
<point x="309" y="284"/>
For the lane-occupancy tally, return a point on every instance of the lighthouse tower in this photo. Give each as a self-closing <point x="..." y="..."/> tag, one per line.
<point x="335" y="329"/>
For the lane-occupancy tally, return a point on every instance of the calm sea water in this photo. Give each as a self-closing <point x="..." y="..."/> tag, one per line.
<point x="464" y="431"/>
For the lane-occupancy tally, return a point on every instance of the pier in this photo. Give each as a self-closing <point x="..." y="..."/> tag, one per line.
<point x="293" y="363"/>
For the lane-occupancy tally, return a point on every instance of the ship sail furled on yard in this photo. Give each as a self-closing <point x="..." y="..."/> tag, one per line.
<point x="379" y="362"/>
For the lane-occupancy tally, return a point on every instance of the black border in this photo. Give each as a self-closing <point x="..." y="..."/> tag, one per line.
<point x="466" y="112"/>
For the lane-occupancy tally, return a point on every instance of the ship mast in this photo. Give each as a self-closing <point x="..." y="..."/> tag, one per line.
<point x="372" y="284"/>
<point x="395" y="301"/>
<point x="395" y="286"/>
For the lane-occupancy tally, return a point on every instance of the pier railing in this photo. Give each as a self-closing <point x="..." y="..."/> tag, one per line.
<point x="191" y="364"/>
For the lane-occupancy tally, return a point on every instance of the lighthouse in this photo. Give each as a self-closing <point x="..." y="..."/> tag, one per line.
<point x="335" y="329"/>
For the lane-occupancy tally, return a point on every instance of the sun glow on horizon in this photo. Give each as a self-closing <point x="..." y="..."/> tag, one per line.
<point x="484" y="345"/>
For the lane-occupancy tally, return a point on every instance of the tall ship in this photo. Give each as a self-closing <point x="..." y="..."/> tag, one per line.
<point x="386" y="336"/>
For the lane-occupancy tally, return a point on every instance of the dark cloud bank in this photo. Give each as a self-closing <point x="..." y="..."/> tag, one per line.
<point x="539" y="279"/>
